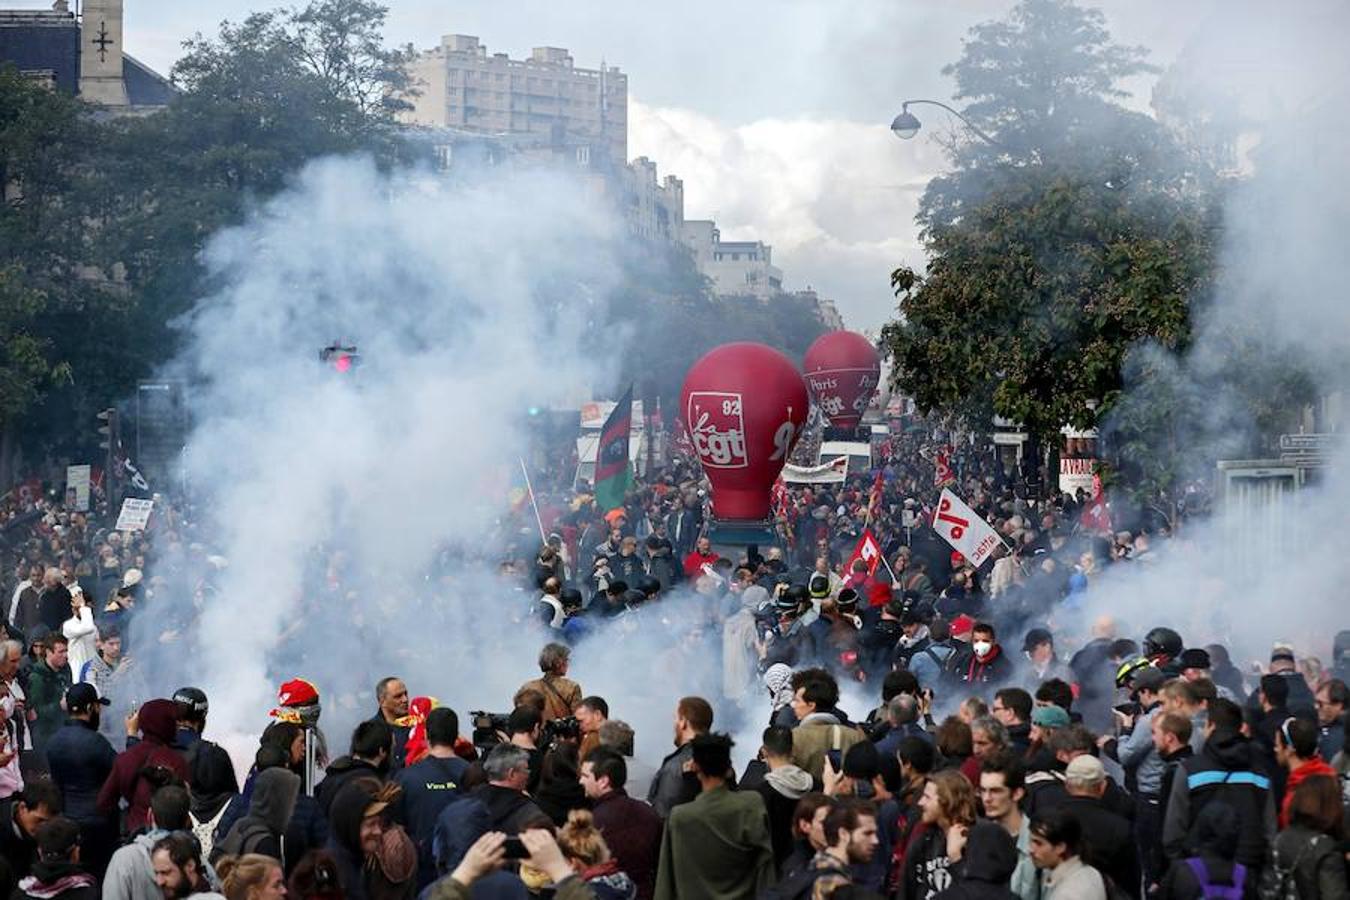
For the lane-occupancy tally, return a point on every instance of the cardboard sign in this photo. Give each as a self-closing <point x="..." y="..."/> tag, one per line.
<point x="77" y="481"/>
<point x="960" y="526"/>
<point x="135" y="514"/>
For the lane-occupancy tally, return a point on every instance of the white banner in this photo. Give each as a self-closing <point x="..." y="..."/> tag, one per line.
<point x="135" y="514"/>
<point x="77" y="481"/>
<point x="832" y="472"/>
<point x="961" y="526"/>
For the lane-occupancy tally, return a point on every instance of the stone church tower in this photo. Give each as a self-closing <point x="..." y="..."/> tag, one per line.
<point x="101" y="76"/>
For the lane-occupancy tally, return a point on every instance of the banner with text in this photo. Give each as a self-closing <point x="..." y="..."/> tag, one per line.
<point x="77" y="487"/>
<point x="962" y="527"/>
<point x="135" y="514"/>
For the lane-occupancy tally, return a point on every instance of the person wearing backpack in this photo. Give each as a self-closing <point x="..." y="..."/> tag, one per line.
<point x="1209" y="872"/>
<point x="1306" y="860"/>
<point x="932" y="664"/>
<point x="263" y="829"/>
<point x="213" y="785"/>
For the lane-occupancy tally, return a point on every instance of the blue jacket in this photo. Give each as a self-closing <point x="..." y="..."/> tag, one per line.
<point x="81" y="760"/>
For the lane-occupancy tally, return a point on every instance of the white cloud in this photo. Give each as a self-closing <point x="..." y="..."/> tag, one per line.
<point x="835" y="198"/>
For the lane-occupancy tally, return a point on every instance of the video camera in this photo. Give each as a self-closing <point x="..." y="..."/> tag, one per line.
<point x="567" y="729"/>
<point x="488" y="728"/>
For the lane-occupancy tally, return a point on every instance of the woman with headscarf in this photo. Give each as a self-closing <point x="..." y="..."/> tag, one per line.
<point x="376" y="860"/>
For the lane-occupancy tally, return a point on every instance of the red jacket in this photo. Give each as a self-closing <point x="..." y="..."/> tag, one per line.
<point x="695" y="561"/>
<point x="1314" y="766"/>
<point x="127" y="781"/>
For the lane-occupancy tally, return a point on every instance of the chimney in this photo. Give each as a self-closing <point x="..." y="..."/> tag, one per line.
<point x="101" y="53"/>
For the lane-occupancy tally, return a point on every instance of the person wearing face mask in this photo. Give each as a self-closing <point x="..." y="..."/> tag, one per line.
<point x="984" y="661"/>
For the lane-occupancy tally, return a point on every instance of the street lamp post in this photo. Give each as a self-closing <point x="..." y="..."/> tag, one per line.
<point x="906" y="125"/>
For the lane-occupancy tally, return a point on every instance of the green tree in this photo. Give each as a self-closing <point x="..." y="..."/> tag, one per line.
<point x="1082" y="232"/>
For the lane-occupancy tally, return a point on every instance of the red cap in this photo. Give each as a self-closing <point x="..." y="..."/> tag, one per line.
<point x="962" y="625"/>
<point x="957" y="558"/>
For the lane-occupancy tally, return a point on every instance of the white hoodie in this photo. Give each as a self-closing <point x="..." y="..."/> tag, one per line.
<point x="82" y="634"/>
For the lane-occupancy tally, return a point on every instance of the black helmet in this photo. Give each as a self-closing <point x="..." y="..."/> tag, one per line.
<point x="191" y="701"/>
<point x="1163" y="642"/>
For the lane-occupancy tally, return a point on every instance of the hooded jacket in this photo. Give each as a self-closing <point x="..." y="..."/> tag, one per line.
<point x="990" y="859"/>
<point x="130" y="875"/>
<point x="1228" y="770"/>
<point x="263" y="829"/>
<point x="818" y="734"/>
<point x="391" y="873"/>
<point x="158" y="720"/>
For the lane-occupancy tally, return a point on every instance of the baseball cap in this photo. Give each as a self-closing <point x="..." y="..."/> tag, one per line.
<point x="1149" y="678"/>
<point x="79" y="697"/>
<point x="1050" y="717"/>
<point x="1282" y="651"/>
<point x="1085" y="768"/>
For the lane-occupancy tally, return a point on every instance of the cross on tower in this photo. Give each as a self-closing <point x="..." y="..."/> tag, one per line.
<point x="102" y="41"/>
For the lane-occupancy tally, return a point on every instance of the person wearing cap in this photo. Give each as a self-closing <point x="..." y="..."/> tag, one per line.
<point x="80" y="760"/>
<point x="1299" y="700"/>
<point x="1196" y="665"/>
<point x="1139" y="757"/>
<point x="1108" y="839"/>
<point x="58" y="872"/>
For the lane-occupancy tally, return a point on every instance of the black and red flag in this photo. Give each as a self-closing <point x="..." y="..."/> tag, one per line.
<point x="613" y="474"/>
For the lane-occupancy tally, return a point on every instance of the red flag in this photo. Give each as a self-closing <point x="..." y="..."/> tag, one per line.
<point x="867" y="550"/>
<point x="874" y="498"/>
<point x="943" y="474"/>
<point x="1096" y="516"/>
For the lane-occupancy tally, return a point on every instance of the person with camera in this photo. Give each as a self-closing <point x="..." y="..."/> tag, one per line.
<point x="561" y="694"/>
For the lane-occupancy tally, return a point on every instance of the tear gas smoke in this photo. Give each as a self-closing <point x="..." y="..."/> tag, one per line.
<point x="1272" y="88"/>
<point x="469" y="303"/>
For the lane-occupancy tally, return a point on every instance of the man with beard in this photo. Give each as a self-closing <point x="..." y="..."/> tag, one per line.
<point x="179" y="871"/>
<point x="81" y="760"/>
<point x="851" y="841"/>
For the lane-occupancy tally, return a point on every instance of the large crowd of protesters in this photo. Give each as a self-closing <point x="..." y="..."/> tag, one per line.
<point x="923" y="728"/>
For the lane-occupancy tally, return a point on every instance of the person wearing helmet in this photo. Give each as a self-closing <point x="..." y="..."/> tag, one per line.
<point x="192" y="709"/>
<point x="1137" y="754"/>
<point x="1163" y="646"/>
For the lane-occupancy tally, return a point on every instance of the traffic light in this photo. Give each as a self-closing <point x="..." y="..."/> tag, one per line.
<point x="108" y="429"/>
<point x="339" y="358"/>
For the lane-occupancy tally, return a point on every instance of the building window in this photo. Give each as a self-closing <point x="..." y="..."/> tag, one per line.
<point x="583" y="156"/>
<point x="444" y="154"/>
<point x="735" y="257"/>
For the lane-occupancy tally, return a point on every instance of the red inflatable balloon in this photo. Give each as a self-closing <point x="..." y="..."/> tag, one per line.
<point x="843" y="369"/>
<point x="744" y="405"/>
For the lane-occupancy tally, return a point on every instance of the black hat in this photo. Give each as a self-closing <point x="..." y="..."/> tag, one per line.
<point x="1194" y="658"/>
<point x="79" y="697"/>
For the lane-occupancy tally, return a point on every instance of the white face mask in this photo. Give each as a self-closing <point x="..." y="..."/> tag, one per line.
<point x="982" y="648"/>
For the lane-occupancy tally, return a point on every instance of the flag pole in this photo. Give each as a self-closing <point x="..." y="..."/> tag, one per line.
<point x="543" y="538"/>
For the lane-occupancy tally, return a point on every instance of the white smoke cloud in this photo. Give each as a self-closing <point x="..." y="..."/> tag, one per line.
<point x="835" y="198"/>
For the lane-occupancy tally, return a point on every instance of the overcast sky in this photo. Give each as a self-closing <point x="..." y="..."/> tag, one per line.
<point x="775" y="113"/>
